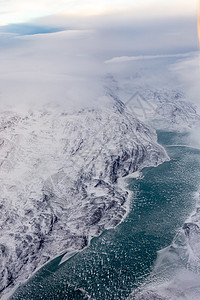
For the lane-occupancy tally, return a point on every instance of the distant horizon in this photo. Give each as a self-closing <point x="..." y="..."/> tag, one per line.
<point x="15" y="12"/>
<point x="61" y="58"/>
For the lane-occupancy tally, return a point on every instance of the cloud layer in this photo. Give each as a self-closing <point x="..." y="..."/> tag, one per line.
<point x="41" y="65"/>
<point x="12" y="11"/>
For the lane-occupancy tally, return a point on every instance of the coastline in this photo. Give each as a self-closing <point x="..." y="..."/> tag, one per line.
<point x="176" y="263"/>
<point x="66" y="256"/>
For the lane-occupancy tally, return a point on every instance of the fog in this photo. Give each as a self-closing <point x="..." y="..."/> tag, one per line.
<point x="66" y="60"/>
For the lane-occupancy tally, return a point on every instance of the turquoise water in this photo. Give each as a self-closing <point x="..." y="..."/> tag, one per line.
<point x="120" y="259"/>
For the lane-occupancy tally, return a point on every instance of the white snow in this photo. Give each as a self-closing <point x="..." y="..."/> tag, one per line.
<point x="59" y="173"/>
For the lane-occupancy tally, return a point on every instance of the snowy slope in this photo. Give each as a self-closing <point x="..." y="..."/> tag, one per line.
<point x="59" y="175"/>
<point x="171" y="105"/>
<point x="163" y="108"/>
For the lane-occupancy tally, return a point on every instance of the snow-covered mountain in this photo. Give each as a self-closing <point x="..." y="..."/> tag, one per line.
<point x="59" y="178"/>
<point x="163" y="108"/>
<point x="171" y="105"/>
<point x="60" y="172"/>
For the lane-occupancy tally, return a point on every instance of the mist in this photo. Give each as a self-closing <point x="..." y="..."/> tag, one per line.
<point x="62" y="60"/>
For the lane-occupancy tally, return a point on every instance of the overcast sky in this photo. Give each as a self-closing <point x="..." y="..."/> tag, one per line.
<point x="54" y="50"/>
<point x="17" y="11"/>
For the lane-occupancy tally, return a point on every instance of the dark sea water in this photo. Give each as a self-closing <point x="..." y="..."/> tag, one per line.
<point x="121" y="259"/>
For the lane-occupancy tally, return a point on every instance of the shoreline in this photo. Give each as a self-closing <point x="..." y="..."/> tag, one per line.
<point x="151" y="284"/>
<point x="123" y="185"/>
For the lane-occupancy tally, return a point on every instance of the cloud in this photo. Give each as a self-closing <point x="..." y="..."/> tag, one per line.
<point x="188" y="73"/>
<point x="123" y="34"/>
<point x="145" y="57"/>
<point x="13" y="11"/>
<point x="67" y="67"/>
<point x="52" y="68"/>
